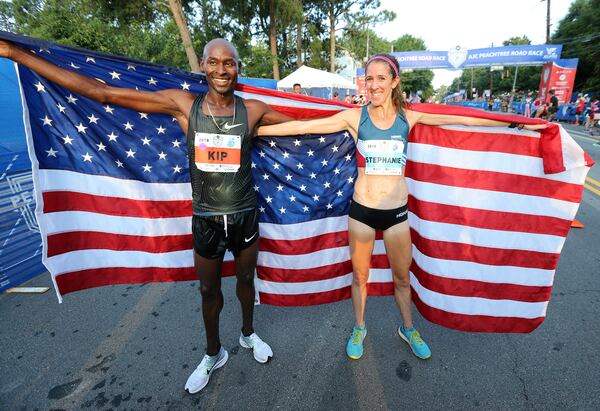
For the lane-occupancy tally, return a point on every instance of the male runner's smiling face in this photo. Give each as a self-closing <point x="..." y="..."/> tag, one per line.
<point x="221" y="67"/>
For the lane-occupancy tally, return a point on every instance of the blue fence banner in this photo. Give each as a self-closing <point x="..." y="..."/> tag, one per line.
<point x="459" y="58"/>
<point x="20" y="240"/>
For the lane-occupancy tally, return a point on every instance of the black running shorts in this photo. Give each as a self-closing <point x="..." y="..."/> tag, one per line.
<point x="376" y="218"/>
<point x="213" y="235"/>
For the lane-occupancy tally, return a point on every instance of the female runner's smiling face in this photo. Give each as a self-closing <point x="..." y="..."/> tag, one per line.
<point x="379" y="82"/>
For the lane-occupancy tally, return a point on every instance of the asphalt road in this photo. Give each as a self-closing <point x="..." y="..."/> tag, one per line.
<point x="133" y="347"/>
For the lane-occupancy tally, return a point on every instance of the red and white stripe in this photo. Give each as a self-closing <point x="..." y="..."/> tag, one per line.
<point x="487" y="225"/>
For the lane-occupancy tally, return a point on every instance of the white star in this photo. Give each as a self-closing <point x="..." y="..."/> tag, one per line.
<point x="276" y="166"/>
<point x="173" y="119"/>
<point x="279" y="187"/>
<point x="261" y="209"/>
<point x="90" y="59"/>
<point x="71" y="99"/>
<point x="305" y="209"/>
<point x="161" y="130"/>
<point x="40" y="87"/>
<point x="313" y="176"/>
<point x="43" y="50"/>
<point x="108" y="109"/>
<point x="316" y="197"/>
<point x="262" y="154"/>
<point x="146" y="141"/>
<point x="101" y="147"/>
<point x="112" y="136"/>
<point x="335" y="149"/>
<point x="348" y="157"/>
<point x="268" y="199"/>
<point x="131" y="67"/>
<point x="143" y="115"/>
<point x="288" y="177"/>
<point x="336" y="171"/>
<point x="119" y="164"/>
<point x="286" y="154"/>
<point x="177" y="169"/>
<point x="147" y="168"/>
<point x="130" y="153"/>
<point x="87" y="157"/>
<point x="47" y="121"/>
<point x="74" y="66"/>
<point x="302" y="187"/>
<point x="115" y="75"/>
<point x="292" y="198"/>
<point x="329" y="206"/>
<point x="81" y="128"/>
<point x="51" y="153"/>
<point x="162" y="155"/>
<point x="151" y="81"/>
<point x="326" y="184"/>
<point x="185" y="85"/>
<point x="282" y="210"/>
<point x="256" y="188"/>
<point x="300" y="166"/>
<point x="265" y="176"/>
<point x="339" y="193"/>
<point x="346" y="134"/>
<point x="321" y="139"/>
<point x="176" y="143"/>
<point x="310" y="153"/>
<point x="93" y="119"/>
<point x="67" y="140"/>
<point x="272" y="143"/>
<point x="128" y="126"/>
<point x="296" y="143"/>
<point x="60" y="108"/>
<point x="324" y="163"/>
<point x="253" y="165"/>
<point x="350" y="180"/>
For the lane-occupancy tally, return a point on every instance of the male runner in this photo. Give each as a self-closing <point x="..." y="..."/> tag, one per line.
<point x="219" y="127"/>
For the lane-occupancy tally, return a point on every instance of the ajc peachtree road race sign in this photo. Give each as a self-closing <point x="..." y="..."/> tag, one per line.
<point x="459" y="58"/>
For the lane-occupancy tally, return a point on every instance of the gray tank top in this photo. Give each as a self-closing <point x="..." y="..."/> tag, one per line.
<point x="215" y="193"/>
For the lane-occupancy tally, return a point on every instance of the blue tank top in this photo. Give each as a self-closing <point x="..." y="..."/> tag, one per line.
<point x="381" y="151"/>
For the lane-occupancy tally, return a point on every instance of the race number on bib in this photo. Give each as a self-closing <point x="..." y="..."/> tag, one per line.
<point x="384" y="157"/>
<point x="218" y="153"/>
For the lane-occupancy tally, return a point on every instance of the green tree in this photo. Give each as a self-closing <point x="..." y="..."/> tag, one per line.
<point x="579" y="33"/>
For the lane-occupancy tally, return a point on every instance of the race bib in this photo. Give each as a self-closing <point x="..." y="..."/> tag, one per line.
<point x="217" y="153"/>
<point x="384" y="157"/>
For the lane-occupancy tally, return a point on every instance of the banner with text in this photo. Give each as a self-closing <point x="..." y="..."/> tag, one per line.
<point x="560" y="77"/>
<point x="459" y="58"/>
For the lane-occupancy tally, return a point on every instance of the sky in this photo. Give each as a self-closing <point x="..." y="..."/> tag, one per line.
<point x="445" y="24"/>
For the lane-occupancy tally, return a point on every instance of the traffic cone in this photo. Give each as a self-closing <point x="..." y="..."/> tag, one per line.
<point x="577" y="224"/>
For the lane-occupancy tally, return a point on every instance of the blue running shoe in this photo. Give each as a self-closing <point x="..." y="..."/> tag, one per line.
<point x="354" y="348"/>
<point x="417" y="345"/>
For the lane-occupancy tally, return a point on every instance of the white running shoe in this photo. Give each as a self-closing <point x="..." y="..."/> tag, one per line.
<point x="262" y="351"/>
<point x="199" y="378"/>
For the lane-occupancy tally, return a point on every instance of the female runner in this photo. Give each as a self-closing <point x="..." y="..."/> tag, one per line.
<point x="380" y="198"/>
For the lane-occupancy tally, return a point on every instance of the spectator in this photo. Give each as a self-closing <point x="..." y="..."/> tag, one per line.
<point x="297" y="88"/>
<point x="553" y="106"/>
<point x="336" y="96"/>
<point x="579" y="108"/>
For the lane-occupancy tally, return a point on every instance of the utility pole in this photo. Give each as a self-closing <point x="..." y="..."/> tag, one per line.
<point x="548" y="23"/>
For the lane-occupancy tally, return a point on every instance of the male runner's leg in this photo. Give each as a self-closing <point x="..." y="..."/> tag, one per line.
<point x="209" y="274"/>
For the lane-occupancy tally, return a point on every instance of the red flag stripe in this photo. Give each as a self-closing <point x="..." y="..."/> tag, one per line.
<point x="93" y="240"/>
<point x="97" y="277"/>
<point x="494" y="181"/>
<point x="476" y="323"/>
<point x="373" y="289"/>
<point x="471" y="288"/>
<point x="57" y="201"/>
<point x="483" y="255"/>
<point x="493" y="220"/>
<point x="466" y="139"/>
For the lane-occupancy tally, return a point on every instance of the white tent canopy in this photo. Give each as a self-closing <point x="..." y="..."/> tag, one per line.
<point x="309" y="77"/>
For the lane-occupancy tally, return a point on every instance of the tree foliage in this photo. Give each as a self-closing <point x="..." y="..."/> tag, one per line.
<point x="579" y="33"/>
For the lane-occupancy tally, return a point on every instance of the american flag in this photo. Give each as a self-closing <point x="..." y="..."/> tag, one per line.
<point x="489" y="209"/>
